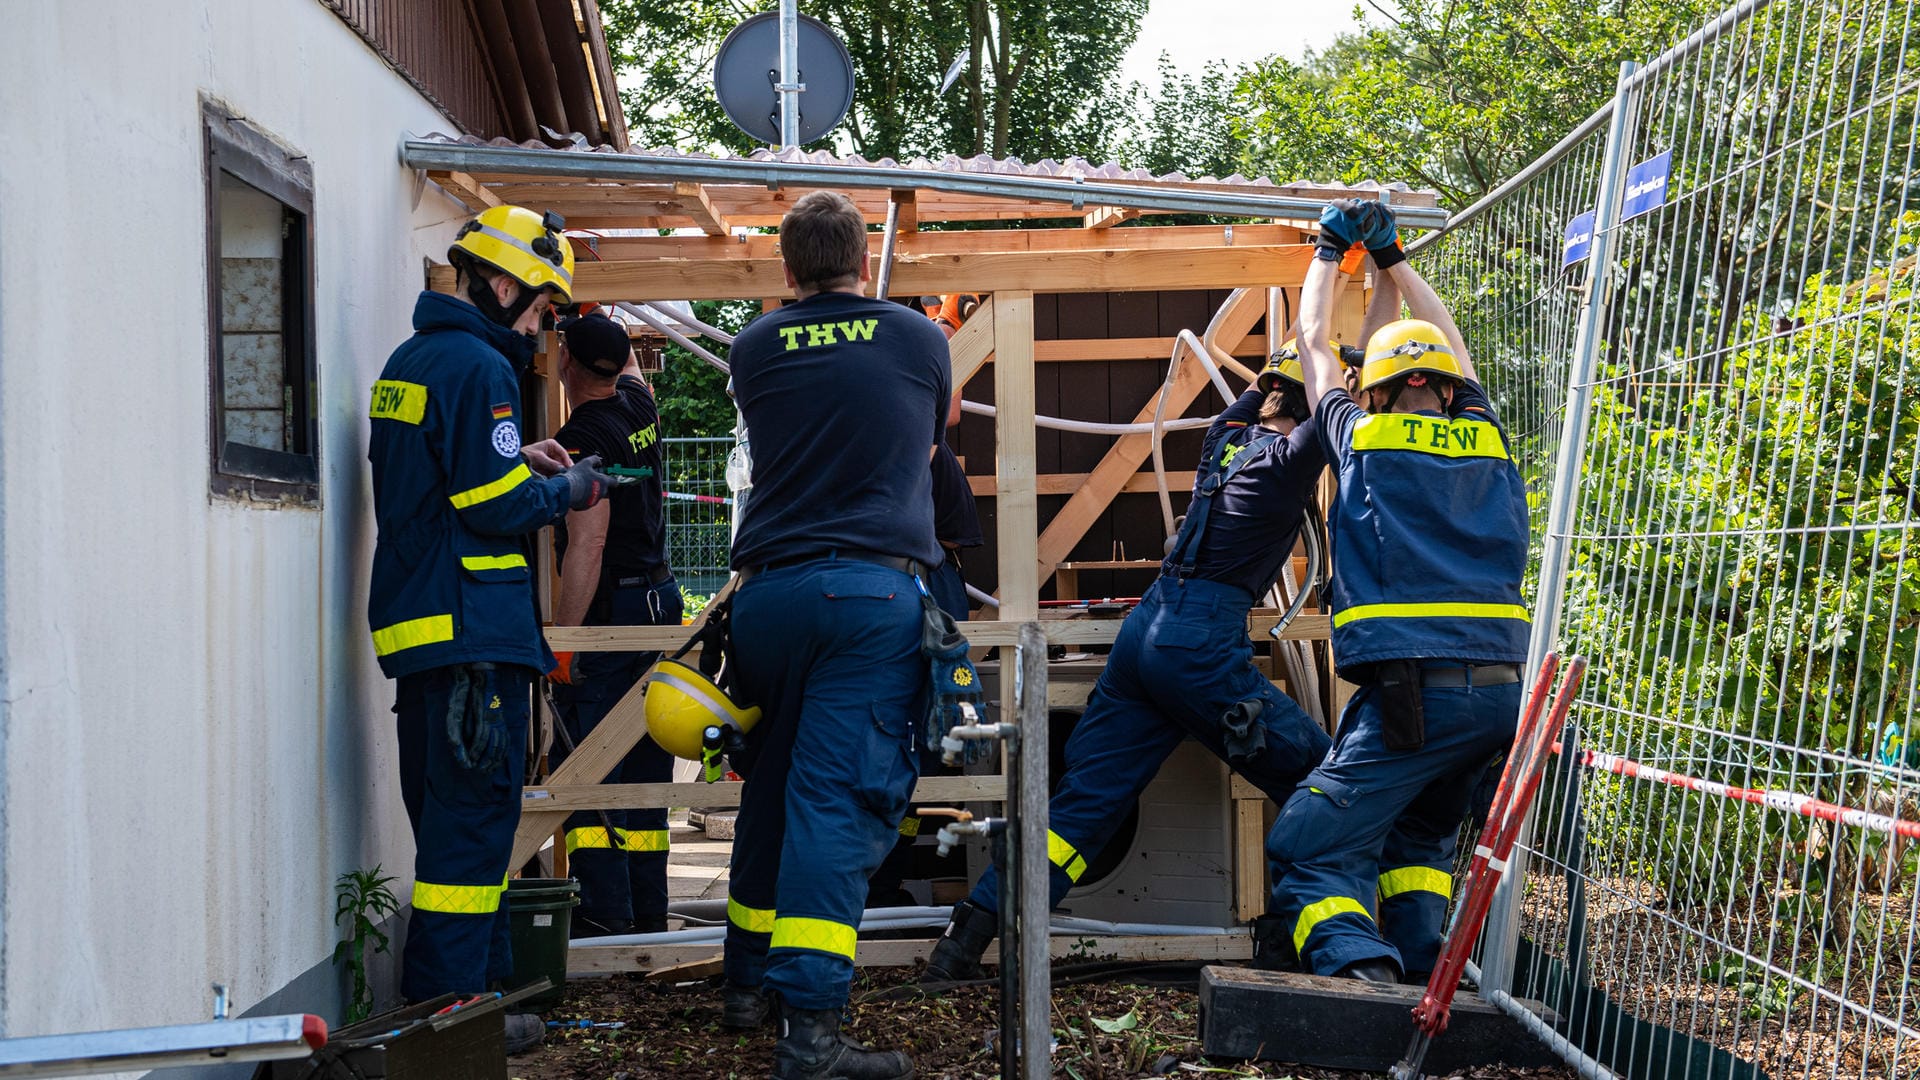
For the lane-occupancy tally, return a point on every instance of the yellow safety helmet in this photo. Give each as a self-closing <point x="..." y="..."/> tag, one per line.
<point x="1282" y="367"/>
<point x="1403" y="347"/>
<point x="526" y="246"/>
<point x="682" y="703"/>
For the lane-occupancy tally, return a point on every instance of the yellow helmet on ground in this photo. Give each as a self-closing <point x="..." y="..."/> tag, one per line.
<point x="521" y="244"/>
<point x="1282" y="367"/>
<point x="682" y="704"/>
<point x="1403" y="347"/>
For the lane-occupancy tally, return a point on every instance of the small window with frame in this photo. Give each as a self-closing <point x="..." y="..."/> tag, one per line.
<point x="260" y="314"/>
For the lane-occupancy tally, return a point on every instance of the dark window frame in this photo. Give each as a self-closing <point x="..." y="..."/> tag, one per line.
<point x="236" y="148"/>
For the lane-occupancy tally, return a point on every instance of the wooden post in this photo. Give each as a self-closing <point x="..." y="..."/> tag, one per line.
<point x="1016" y="479"/>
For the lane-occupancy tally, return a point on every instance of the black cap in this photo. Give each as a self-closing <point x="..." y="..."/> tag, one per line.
<point x="597" y="343"/>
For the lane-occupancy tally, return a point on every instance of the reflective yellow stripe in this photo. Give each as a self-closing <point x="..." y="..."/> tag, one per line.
<point x="1408" y="879"/>
<point x="820" y="935"/>
<point x="395" y="400"/>
<point x="494" y="562"/>
<point x="457" y="899"/>
<point x="1062" y="854"/>
<point x="591" y="837"/>
<point x="1430" y="611"/>
<point x="752" y="920"/>
<point x="412" y="633"/>
<point x="1429" y="435"/>
<point x="463" y="499"/>
<point x="644" y="839"/>
<point x="1316" y="913"/>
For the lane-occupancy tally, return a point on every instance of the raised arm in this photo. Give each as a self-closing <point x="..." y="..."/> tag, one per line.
<point x="1382" y="308"/>
<point x="1321" y="366"/>
<point x="1425" y="304"/>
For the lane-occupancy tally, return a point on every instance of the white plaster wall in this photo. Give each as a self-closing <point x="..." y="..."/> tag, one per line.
<point x="194" y="739"/>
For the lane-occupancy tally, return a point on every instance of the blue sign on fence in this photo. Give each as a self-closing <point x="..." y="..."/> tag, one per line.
<point x="1646" y="186"/>
<point x="1579" y="239"/>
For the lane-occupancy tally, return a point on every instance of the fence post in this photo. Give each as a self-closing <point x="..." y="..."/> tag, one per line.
<point x="1503" y="919"/>
<point x="1027" y="811"/>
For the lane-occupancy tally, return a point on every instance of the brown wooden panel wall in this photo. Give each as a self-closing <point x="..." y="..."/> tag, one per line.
<point x="432" y="43"/>
<point x="1102" y="391"/>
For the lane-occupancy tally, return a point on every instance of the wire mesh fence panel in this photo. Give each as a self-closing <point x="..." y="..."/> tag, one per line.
<point x="698" y="512"/>
<point x="1721" y="878"/>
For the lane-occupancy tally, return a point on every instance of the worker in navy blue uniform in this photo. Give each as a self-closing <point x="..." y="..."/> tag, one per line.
<point x="1182" y="665"/>
<point x="451" y="604"/>
<point x="1429" y="532"/>
<point x="613" y="572"/>
<point x="846" y="397"/>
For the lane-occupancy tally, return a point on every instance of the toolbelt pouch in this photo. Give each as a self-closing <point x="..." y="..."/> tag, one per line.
<point x="476" y="727"/>
<point x="1402" y="712"/>
<point x="955" y="698"/>
<point x="1242" y="733"/>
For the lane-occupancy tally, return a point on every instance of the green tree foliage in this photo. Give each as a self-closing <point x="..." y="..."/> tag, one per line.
<point x="1038" y="73"/>
<point x="1454" y="95"/>
<point x="691" y="393"/>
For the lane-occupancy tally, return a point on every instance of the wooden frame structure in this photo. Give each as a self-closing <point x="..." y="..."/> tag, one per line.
<point x="1008" y="266"/>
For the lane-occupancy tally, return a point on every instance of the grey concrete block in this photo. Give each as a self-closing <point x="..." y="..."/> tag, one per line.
<point x="718" y="824"/>
<point x="1349" y="1024"/>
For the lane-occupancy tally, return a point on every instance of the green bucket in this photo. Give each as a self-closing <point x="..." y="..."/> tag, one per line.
<point x="540" y="910"/>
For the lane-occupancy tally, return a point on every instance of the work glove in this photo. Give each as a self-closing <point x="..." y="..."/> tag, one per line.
<point x="476" y="725"/>
<point x="563" y="672"/>
<point x="1339" y="232"/>
<point x="586" y="483"/>
<point x="1380" y="235"/>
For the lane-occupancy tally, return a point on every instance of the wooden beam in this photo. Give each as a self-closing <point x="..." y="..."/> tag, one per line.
<point x="1068" y="483"/>
<point x="960" y="242"/>
<point x="1070" y="630"/>
<point x="694" y="201"/>
<point x="972" y="345"/>
<point x="466" y="189"/>
<point x="1048" y="271"/>
<point x="570" y="798"/>
<point x="594" y="959"/>
<point x="1016" y="510"/>
<point x="1229" y="328"/>
<point x="1106" y="217"/>
<point x="908" y="221"/>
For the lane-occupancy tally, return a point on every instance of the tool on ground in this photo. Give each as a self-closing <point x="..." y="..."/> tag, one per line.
<point x="1518" y="783"/>
<point x="611" y="1025"/>
<point x="219" y="1041"/>
<point x="566" y="742"/>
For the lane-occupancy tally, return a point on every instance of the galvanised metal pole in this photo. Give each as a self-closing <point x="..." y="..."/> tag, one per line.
<point x="1503" y="918"/>
<point x="1029" y="814"/>
<point x="790" y="87"/>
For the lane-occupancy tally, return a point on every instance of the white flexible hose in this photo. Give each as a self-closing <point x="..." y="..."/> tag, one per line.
<point x="1089" y="427"/>
<point x="982" y="597"/>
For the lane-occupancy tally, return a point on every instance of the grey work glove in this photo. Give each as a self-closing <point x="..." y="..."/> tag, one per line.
<point x="586" y="484"/>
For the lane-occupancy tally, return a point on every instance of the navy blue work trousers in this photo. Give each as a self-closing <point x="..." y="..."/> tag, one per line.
<point x="949" y="589"/>
<point x="463" y="824"/>
<point x="1181" y="661"/>
<point x="622" y="877"/>
<point x="1372" y="831"/>
<point x="831" y="651"/>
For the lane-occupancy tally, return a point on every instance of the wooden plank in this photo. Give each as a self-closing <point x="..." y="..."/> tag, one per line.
<point x="596" y="755"/>
<point x="1068" y="483"/>
<point x="1045" y="271"/>
<point x="972" y="345"/>
<point x="1111" y="564"/>
<point x="1230" y="327"/>
<point x="1068" y="630"/>
<point x="593" y="959"/>
<point x="465" y="188"/>
<point x="1106" y="217"/>
<point x="1016" y="507"/>
<point x="1305" y="626"/>
<point x="1249" y="859"/>
<point x="964" y="242"/>
<point x="695" y="203"/>
<point x="569" y="798"/>
<point x="1067" y="350"/>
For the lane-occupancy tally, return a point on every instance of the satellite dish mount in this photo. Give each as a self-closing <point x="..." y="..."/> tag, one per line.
<point x="765" y="66"/>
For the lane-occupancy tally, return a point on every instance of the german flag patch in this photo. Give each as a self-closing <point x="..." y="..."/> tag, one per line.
<point x="503" y="410"/>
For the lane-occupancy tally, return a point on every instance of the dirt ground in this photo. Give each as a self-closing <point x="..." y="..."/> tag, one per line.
<point x="1106" y="1030"/>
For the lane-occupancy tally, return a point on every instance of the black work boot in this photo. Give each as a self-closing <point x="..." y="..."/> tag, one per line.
<point x="744" y="1008"/>
<point x="1374" y="969"/>
<point x="957" y="956"/>
<point x="811" y="1048"/>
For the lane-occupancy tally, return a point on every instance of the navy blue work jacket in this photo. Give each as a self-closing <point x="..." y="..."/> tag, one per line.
<point x="453" y="499"/>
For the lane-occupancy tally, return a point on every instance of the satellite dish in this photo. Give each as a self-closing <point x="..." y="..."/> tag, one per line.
<point x="748" y="66"/>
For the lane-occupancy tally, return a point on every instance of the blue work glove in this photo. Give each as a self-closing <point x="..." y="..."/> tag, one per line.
<point x="1339" y="232"/>
<point x="1379" y="234"/>
<point x="476" y="727"/>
